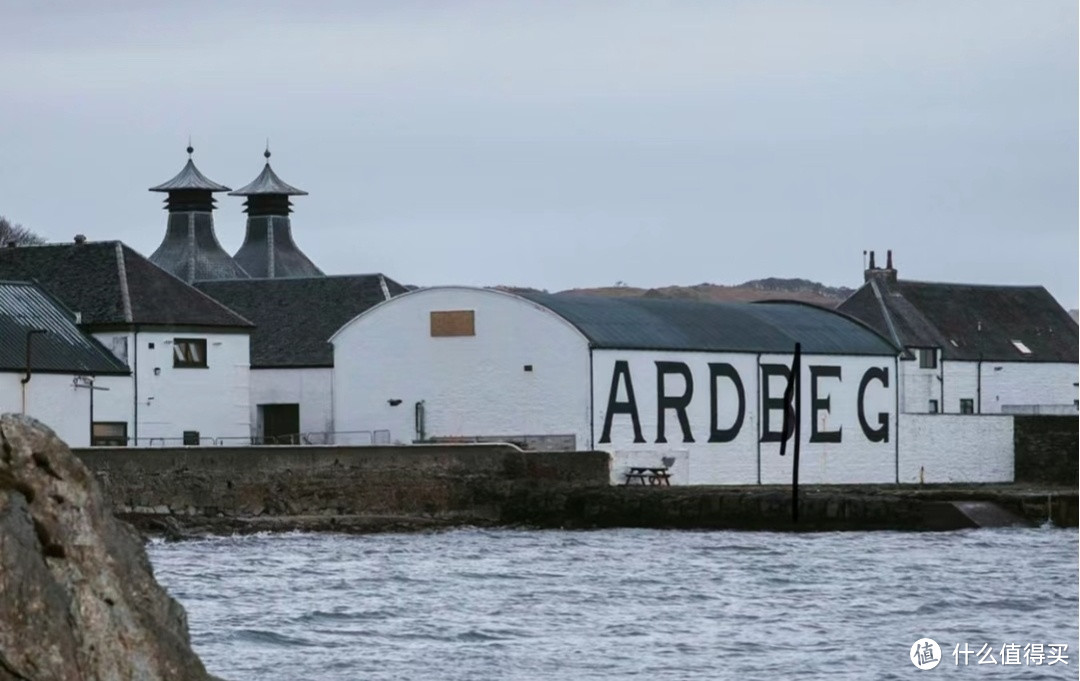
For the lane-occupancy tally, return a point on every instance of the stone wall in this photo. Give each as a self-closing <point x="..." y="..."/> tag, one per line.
<point x="1046" y="449"/>
<point x="321" y="481"/>
<point x="358" y="489"/>
<point x="829" y="508"/>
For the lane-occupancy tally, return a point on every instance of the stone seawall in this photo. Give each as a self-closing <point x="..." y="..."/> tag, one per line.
<point x="1046" y="449"/>
<point x="821" y="508"/>
<point x="359" y="489"/>
<point x="249" y="486"/>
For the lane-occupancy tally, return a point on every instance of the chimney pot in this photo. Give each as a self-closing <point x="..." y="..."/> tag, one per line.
<point x="872" y="265"/>
<point x="80" y="238"/>
<point x="888" y="262"/>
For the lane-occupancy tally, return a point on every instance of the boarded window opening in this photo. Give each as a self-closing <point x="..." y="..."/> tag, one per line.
<point x="108" y="434"/>
<point x="453" y="323"/>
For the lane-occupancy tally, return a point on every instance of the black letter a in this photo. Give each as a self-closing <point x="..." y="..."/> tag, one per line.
<point x="622" y="368"/>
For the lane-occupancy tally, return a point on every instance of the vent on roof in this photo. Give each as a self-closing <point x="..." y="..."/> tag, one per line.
<point x="1021" y="347"/>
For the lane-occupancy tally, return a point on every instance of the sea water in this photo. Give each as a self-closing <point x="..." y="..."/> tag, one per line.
<point x="627" y="603"/>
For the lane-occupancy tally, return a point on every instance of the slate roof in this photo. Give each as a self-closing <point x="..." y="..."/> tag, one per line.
<point x="268" y="183"/>
<point x="663" y="324"/>
<point x="62" y="348"/>
<point x="294" y="318"/>
<point x="189" y="177"/>
<point x="269" y="250"/>
<point x="968" y="322"/>
<point x="191" y="250"/>
<point x="109" y="284"/>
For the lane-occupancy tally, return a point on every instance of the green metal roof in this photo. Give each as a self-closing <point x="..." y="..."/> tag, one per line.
<point x="664" y="324"/>
<point x="57" y="343"/>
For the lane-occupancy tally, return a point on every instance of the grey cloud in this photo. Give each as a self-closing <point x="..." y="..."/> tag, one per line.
<point x="565" y="144"/>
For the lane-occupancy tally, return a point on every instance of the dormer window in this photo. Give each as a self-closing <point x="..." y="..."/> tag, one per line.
<point x="189" y="353"/>
<point x="1024" y="350"/>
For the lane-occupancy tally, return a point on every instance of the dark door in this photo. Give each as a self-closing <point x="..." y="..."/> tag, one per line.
<point x="280" y="423"/>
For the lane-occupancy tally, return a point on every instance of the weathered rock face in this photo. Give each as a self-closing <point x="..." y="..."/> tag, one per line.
<point x="78" y="600"/>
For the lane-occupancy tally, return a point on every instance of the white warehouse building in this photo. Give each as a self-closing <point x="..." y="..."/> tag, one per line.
<point x="695" y="386"/>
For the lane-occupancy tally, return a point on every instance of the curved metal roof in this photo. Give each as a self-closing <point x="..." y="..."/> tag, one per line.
<point x="190" y="178"/>
<point x="268" y="183"/>
<point x="664" y="324"/>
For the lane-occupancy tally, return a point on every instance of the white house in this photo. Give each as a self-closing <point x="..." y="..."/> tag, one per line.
<point x="696" y="386"/>
<point x="48" y="366"/>
<point x="292" y="378"/>
<point x="188" y="355"/>
<point x="973" y="349"/>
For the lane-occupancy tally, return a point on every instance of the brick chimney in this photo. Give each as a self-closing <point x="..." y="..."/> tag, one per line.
<point x="885" y="275"/>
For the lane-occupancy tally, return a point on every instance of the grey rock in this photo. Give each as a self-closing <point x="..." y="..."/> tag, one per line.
<point x="78" y="599"/>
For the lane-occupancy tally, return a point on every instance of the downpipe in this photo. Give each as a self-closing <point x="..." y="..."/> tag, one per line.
<point x="29" y="370"/>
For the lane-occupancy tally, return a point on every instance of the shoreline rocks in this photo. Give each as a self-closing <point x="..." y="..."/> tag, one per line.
<point x="78" y="599"/>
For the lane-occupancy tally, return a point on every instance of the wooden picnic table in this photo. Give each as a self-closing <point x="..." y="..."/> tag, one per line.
<point x="649" y="475"/>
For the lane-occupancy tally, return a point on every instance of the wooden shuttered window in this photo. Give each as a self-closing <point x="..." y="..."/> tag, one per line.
<point x="453" y="323"/>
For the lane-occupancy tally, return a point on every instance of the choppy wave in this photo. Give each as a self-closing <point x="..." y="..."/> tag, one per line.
<point x="508" y="604"/>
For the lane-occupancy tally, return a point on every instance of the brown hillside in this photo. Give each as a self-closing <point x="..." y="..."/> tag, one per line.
<point x="758" y="289"/>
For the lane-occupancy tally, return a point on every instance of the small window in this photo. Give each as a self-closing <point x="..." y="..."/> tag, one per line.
<point x="1024" y="350"/>
<point x="189" y="353"/>
<point x="967" y="406"/>
<point x="933" y="406"/>
<point x="119" y="347"/>
<point x="453" y="323"/>
<point x="927" y="358"/>
<point x="108" y="434"/>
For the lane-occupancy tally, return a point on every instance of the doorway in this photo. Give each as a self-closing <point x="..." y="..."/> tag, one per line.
<point x="280" y="423"/>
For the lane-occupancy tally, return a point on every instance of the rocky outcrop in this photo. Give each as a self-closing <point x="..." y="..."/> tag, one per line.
<point x="78" y="599"/>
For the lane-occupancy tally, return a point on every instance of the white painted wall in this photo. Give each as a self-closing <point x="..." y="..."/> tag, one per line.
<point x="854" y="459"/>
<point x="918" y="386"/>
<point x="1029" y="384"/>
<point x="311" y="388"/>
<point x="51" y="399"/>
<point x="961" y="382"/>
<point x="114" y="402"/>
<point x="216" y="401"/>
<point x="1030" y="387"/>
<point x="470" y="385"/>
<point x="699" y="462"/>
<point x="954" y="448"/>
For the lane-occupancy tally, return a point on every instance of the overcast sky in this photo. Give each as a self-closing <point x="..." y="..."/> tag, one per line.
<point x="560" y="145"/>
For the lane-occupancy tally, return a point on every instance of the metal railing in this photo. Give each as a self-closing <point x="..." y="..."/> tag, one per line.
<point x="356" y="438"/>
